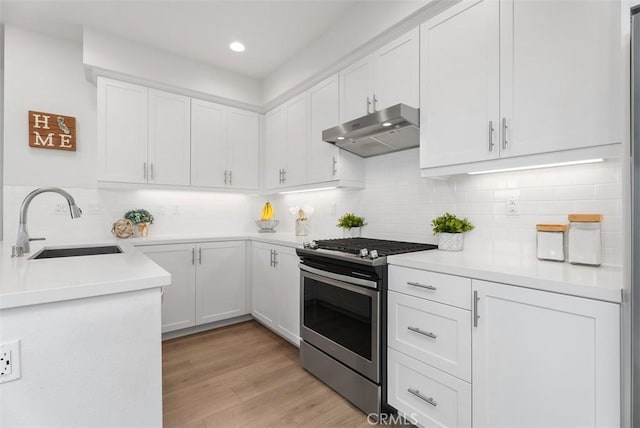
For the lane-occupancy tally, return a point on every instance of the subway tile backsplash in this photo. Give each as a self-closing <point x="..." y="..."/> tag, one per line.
<point x="397" y="203"/>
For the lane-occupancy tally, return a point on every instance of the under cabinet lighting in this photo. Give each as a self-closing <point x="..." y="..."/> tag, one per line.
<point x="237" y="47"/>
<point x="387" y="124"/>
<point x="307" y="190"/>
<point x="548" y="165"/>
<point x="340" y="138"/>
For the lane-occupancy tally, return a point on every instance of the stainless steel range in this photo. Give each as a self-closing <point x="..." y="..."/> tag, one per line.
<point x="343" y="315"/>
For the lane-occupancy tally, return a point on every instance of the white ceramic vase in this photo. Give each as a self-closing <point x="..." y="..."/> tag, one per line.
<point x="450" y="241"/>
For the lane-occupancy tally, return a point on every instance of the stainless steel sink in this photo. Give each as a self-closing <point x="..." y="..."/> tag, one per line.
<point x="51" y="253"/>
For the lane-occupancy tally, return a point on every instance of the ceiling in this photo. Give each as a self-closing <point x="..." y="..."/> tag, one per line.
<point x="273" y="31"/>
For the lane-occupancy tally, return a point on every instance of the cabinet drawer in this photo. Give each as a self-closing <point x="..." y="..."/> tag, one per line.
<point x="449" y="289"/>
<point x="425" y="395"/>
<point x="436" y="334"/>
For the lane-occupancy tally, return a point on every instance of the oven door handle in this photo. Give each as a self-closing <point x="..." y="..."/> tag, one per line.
<point x="338" y="277"/>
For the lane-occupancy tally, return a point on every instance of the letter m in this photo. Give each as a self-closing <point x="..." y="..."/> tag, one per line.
<point x="48" y="142"/>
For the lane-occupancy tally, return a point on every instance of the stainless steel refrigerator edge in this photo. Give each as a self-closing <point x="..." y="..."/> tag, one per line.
<point x="635" y="221"/>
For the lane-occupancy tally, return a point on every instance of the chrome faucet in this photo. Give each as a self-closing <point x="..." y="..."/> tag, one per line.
<point x="23" y="236"/>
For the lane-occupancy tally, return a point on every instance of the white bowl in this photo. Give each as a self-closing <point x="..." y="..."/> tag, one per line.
<point x="267" y="225"/>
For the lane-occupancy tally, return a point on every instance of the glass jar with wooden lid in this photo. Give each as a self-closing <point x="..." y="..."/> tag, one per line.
<point x="551" y="242"/>
<point x="585" y="239"/>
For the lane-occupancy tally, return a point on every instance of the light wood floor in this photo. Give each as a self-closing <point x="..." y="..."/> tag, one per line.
<point x="246" y="376"/>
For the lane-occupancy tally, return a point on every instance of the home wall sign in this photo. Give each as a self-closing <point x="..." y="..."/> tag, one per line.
<point x="52" y="131"/>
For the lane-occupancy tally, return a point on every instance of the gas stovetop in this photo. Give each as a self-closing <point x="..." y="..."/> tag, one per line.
<point x="361" y="250"/>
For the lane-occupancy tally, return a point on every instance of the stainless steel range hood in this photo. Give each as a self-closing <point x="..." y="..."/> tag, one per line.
<point x="389" y="130"/>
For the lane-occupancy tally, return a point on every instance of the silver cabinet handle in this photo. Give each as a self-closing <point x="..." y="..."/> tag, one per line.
<point x="193" y="256"/>
<point x="199" y="256"/>
<point x="230" y="178"/>
<point x="144" y="170"/>
<point x="422" y="332"/>
<point x="476" y="317"/>
<point x="375" y="100"/>
<point x="417" y="284"/>
<point x="284" y="175"/>
<point x="275" y="258"/>
<point x="368" y="105"/>
<point x="491" y="129"/>
<point x="417" y="393"/>
<point x="504" y="133"/>
<point x="335" y="166"/>
<point x="152" y="174"/>
<point x="281" y="175"/>
<point x="225" y="176"/>
<point x="271" y="260"/>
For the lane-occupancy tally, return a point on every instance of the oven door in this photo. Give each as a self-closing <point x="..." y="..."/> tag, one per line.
<point x="341" y="319"/>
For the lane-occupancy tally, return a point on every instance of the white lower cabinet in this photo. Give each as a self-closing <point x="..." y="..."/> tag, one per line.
<point x="540" y="359"/>
<point x="208" y="282"/>
<point x="544" y="359"/>
<point x="275" y="289"/>
<point x="425" y="395"/>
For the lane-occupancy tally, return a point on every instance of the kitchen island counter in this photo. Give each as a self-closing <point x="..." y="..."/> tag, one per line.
<point x="25" y="282"/>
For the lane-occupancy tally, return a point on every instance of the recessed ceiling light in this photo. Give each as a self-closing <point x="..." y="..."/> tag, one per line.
<point x="237" y="47"/>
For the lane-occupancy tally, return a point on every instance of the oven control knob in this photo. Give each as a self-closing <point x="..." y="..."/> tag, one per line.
<point x="306" y="244"/>
<point x="373" y="254"/>
<point x="313" y="245"/>
<point x="364" y="253"/>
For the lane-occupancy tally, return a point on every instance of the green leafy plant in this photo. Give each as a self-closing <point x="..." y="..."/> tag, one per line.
<point x="139" y="216"/>
<point x="349" y="220"/>
<point x="449" y="223"/>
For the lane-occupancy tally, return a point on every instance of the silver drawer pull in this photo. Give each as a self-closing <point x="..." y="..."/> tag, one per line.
<point x="417" y="284"/>
<point x="422" y="332"/>
<point x="417" y="393"/>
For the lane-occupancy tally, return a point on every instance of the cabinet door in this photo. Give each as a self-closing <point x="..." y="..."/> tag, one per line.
<point x="297" y="141"/>
<point x="208" y="144"/>
<point x="323" y="113"/>
<point x="122" y="131"/>
<point x="459" y="84"/>
<point x="560" y="75"/>
<point x="264" y="285"/>
<point x="169" y="150"/>
<point x="356" y="89"/>
<point x="288" y="294"/>
<point x="178" y="300"/>
<point x="544" y="360"/>
<point x="397" y="72"/>
<point x="244" y="139"/>
<point x="275" y="146"/>
<point x="220" y="281"/>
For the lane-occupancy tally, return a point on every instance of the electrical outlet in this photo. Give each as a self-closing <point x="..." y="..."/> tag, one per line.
<point x="9" y="361"/>
<point x="512" y="207"/>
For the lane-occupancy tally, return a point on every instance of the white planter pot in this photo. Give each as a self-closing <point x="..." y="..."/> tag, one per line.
<point x="354" y="232"/>
<point x="450" y="241"/>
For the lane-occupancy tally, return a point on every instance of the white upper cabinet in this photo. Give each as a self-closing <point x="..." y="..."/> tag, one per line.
<point x="326" y="161"/>
<point x="286" y="143"/>
<point x="209" y="149"/>
<point x="356" y="90"/>
<point x="244" y="153"/>
<point x="397" y="72"/>
<point x="460" y="85"/>
<point x="169" y="149"/>
<point x="511" y="78"/>
<point x="224" y="146"/>
<point x="386" y="77"/>
<point x="560" y="74"/>
<point x="122" y="131"/>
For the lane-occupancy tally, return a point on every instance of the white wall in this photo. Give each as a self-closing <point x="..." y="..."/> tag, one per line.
<point x="399" y="204"/>
<point x="46" y="74"/>
<point x="113" y="54"/>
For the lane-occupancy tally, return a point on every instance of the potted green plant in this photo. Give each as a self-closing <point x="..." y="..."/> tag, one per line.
<point x="141" y="218"/>
<point x="450" y="230"/>
<point x="351" y="225"/>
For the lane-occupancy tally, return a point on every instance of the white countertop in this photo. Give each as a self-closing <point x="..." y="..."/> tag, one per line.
<point x="26" y="282"/>
<point x="602" y="283"/>
<point x="286" y="239"/>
